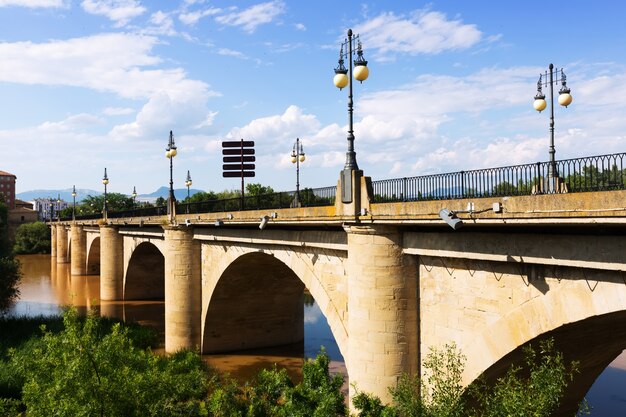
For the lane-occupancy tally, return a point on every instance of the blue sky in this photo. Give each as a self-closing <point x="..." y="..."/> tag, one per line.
<point x="88" y="84"/>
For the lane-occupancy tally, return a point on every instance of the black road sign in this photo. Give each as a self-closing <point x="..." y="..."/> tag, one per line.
<point x="240" y="151"/>
<point x="239" y="159"/>
<point x="238" y="144"/>
<point x="238" y="174"/>
<point x="238" y="167"/>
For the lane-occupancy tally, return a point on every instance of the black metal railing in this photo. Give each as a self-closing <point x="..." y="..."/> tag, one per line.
<point x="594" y="173"/>
<point x="309" y="197"/>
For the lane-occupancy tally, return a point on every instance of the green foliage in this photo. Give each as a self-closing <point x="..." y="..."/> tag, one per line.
<point x="87" y="370"/>
<point x="534" y="389"/>
<point x="273" y="394"/>
<point x="95" y="204"/>
<point x="160" y="202"/>
<point x="32" y="238"/>
<point x="200" y="197"/>
<point x="256" y="189"/>
<point x="10" y="274"/>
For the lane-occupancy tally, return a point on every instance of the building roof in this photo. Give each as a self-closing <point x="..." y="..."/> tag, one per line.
<point x="7" y="174"/>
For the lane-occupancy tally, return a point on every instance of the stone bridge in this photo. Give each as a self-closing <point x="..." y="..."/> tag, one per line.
<point x="393" y="280"/>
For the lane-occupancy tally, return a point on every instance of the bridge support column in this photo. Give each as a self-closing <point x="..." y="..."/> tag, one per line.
<point x="53" y="241"/>
<point x="183" y="289"/>
<point x="111" y="264"/>
<point x="78" y="256"/>
<point x="61" y="238"/>
<point x="382" y="310"/>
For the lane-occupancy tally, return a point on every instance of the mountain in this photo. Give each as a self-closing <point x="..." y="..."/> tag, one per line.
<point x="66" y="195"/>
<point x="179" y="193"/>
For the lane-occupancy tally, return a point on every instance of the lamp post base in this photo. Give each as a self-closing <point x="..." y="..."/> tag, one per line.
<point x="550" y="185"/>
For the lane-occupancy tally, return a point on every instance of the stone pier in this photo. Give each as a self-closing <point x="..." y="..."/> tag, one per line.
<point x="382" y="310"/>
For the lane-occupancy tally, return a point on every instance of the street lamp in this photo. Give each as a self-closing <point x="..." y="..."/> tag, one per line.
<point x="73" y="203"/>
<point x="565" y="99"/>
<point x="297" y="156"/>
<point x="170" y="153"/>
<point x="134" y="194"/>
<point x="188" y="183"/>
<point x="59" y="207"/>
<point x="105" y="181"/>
<point x="342" y="79"/>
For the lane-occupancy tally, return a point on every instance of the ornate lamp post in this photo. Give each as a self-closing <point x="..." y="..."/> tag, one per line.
<point x="341" y="80"/>
<point x="59" y="207"/>
<point x="188" y="183"/>
<point x="134" y="194"/>
<point x="170" y="153"/>
<point x="105" y="181"/>
<point x="73" y="203"/>
<point x="565" y="99"/>
<point x="297" y="156"/>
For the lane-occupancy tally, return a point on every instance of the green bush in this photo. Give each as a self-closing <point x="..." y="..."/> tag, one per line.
<point x="88" y="370"/>
<point x="534" y="388"/>
<point x="32" y="238"/>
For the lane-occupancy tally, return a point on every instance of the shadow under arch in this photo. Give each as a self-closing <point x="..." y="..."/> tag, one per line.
<point x="593" y="342"/>
<point x="257" y="302"/>
<point x="93" y="257"/>
<point x="145" y="275"/>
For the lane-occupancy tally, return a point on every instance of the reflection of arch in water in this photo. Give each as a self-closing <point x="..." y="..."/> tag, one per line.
<point x="145" y="275"/>
<point x="256" y="303"/>
<point x="93" y="257"/>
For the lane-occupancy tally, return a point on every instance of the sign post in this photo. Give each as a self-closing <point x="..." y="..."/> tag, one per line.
<point x="237" y="157"/>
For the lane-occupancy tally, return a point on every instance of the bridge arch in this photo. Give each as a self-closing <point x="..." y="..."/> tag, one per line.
<point x="93" y="255"/>
<point x="272" y="282"/>
<point x="145" y="274"/>
<point x="570" y="299"/>
<point x="584" y="311"/>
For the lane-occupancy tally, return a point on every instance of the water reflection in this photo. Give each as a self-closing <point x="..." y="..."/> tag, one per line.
<point x="46" y="286"/>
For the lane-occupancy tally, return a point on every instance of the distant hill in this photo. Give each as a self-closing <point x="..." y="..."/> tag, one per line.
<point x="66" y="194"/>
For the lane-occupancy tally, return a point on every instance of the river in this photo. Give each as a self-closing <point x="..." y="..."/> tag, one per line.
<point x="46" y="286"/>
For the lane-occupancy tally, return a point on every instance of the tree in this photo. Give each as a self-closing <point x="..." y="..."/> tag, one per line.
<point x="9" y="267"/>
<point x="160" y="202"/>
<point x="95" y="204"/>
<point x="256" y="189"/>
<point x="534" y="388"/>
<point x="32" y="238"/>
<point x="88" y="371"/>
<point x="200" y="196"/>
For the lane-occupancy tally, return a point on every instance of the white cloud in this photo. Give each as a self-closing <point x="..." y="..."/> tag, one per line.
<point x="119" y="11"/>
<point x="231" y="52"/>
<point x="208" y="121"/>
<point x="34" y="4"/>
<point x="422" y="32"/>
<point x="161" y="24"/>
<point x="117" y="111"/>
<point x="300" y="26"/>
<point x="191" y="18"/>
<point x="278" y="131"/>
<point x="112" y="63"/>
<point x="109" y="62"/>
<point x="254" y="16"/>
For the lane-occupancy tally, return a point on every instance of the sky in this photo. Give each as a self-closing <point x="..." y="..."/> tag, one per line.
<point x="89" y="84"/>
